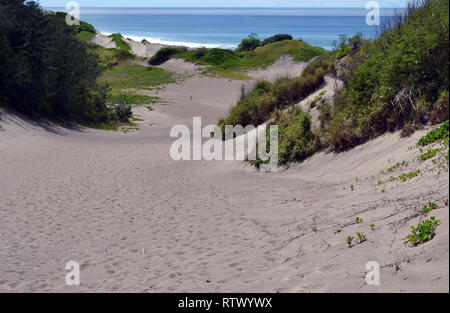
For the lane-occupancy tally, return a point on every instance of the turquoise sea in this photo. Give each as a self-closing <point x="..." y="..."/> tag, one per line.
<point x="226" y="27"/>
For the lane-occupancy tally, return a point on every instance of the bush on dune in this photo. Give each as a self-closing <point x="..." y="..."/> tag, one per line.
<point x="396" y="79"/>
<point x="257" y="106"/>
<point x="276" y="38"/>
<point x="249" y="44"/>
<point x="164" y="55"/>
<point x="107" y="58"/>
<point x="295" y="138"/>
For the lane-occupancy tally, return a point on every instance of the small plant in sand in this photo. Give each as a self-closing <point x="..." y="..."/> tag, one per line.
<point x="428" y="208"/>
<point x="361" y="238"/>
<point x="350" y="241"/>
<point x="397" y="166"/>
<point x="358" y="220"/>
<point x="429" y="154"/>
<point x="423" y="232"/>
<point x="372" y="226"/>
<point x="404" y="177"/>
<point x="383" y="190"/>
<point x="352" y="187"/>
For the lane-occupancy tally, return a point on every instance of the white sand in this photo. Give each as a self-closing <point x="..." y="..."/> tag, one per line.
<point x="137" y="221"/>
<point x="283" y="67"/>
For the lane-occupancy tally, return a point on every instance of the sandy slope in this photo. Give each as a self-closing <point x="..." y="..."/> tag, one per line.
<point x="138" y="48"/>
<point x="137" y="221"/>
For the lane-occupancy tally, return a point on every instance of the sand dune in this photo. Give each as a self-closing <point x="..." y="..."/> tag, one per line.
<point x="137" y="221"/>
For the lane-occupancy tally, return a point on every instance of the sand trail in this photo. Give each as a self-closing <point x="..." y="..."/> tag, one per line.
<point x="138" y="221"/>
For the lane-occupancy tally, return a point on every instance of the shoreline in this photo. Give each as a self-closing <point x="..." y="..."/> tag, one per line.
<point x="189" y="45"/>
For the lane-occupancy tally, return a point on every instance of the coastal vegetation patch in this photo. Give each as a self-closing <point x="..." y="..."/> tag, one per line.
<point x="127" y="75"/>
<point x="120" y="43"/>
<point x="233" y="64"/>
<point x="395" y="81"/>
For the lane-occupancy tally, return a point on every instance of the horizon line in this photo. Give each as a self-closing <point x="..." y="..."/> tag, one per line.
<point x="277" y="8"/>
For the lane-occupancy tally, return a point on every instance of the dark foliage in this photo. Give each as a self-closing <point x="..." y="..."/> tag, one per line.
<point x="164" y="55"/>
<point x="249" y="44"/>
<point x="276" y="38"/>
<point x="45" y="71"/>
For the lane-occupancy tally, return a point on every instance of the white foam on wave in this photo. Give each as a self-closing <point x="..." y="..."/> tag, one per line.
<point x="175" y="43"/>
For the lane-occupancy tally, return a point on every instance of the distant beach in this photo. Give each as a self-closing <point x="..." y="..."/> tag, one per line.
<point x="225" y="28"/>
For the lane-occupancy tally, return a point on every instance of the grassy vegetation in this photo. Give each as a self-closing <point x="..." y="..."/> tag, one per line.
<point x="266" y="101"/>
<point x="86" y="36"/>
<point x="233" y="64"/>
<point x="407" y="176"/>
<point x="295" y="137"/>
<point x="395" y="167"/>
<point x="429" y="154"/>
<point x="396" y="79"/>
<point x="120" y="43"/>
<point x="399" y="81"/>
<point x="257" y="106"/>
<point x="127" y="75"/>
<point x="129" y="98"/>
<point x="107" y="58"/>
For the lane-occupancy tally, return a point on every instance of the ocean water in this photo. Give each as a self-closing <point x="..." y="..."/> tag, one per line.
<point x="225" y="28"/>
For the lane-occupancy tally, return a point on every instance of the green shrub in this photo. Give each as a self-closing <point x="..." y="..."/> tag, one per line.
<point x="348" y="45"/>
<point x="423" y="232"/>
<point x="164" y="54"/>
<point x="276" y="38"/>
<point x="249" y="44"/>
<point x="107" y="58"/>
<point x="123" y="112"/>
<point x="296" y="141"/>
<point x="45" y="71"/>
<point x="86" y="36"/>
